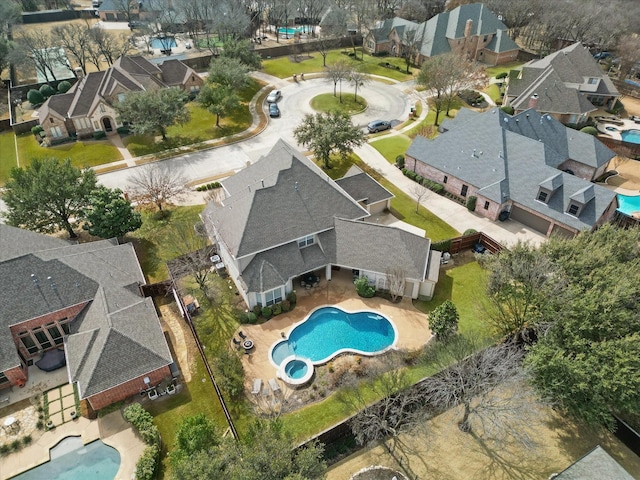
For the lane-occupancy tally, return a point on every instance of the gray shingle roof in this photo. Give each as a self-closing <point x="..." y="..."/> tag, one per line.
<point x="514" y="156"/>
<point x="595" y="465"/>
<point x="362" y="188"/>
<point x="278" y="199"/>
<point x="115" y="337"/>
<point x="557" y="78"/>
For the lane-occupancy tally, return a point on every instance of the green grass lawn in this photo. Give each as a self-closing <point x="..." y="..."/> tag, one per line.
<point x="201" y="126"/>
<point x="507" y="67"/>
<point x="284" y="67"/>
<point x="493" y="91"/>
<point x="8" y="158"/>
<point x="82" y="153"/>
<point x="391" y="147"/>
<point x="427" y="127"/>
<point x="327" y="102"/>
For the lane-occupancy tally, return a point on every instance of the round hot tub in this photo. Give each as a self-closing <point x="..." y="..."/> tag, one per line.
<point x="295" y="370"/>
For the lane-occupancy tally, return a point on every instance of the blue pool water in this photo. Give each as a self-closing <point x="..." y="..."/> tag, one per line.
<point x="330" y="330"/>
<point x="628" y="204"/>
<point x="163" y="43"/>
<point x="289" y="31"/>
<point x="296" y="369"/>
<point x="631" y="136"/>
<point x="70" y="460"/>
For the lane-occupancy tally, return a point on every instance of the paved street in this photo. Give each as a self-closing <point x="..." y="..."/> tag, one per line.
<point x="388" y="102"/>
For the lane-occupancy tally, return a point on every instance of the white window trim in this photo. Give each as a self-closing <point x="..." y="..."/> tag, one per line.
<point x="306" y="241"/>
<point x="273" y="301"/>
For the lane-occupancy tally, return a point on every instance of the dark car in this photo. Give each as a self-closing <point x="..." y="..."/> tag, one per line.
<point x="378" y="126"/>
<point x="274" y="111"/>
<point x="479" y="248"/>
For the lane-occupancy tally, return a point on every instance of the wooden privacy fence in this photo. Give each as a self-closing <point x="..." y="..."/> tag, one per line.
<point x="466" y="242"/>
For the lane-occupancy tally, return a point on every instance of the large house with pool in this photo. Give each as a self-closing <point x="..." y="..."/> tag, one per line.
<point x="79" y="307"/>
<point x="528" y="167"/>
<point x="283" y="219"/>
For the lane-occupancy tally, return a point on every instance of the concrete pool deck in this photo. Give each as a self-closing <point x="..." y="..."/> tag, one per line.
<point x="411" y="324"/>
<point x="112" y="429"/>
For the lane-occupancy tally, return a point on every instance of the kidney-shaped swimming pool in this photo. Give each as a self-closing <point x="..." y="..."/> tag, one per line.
<point x="328" y="331"/>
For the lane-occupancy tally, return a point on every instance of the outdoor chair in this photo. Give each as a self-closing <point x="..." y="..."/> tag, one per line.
<point x="236" y="342"/>
<point x="257" y="386"/>
<point x="273" y="383"/>
<point x="242" y="335"/>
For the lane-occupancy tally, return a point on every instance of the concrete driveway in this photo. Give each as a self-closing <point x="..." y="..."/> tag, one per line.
<point x="388" y="102"/>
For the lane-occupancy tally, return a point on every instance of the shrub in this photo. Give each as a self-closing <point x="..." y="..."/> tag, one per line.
<point x="400" y="161"/>
<point x="502" y="75"/>
<point x="143" y="422"/>
<point x="257" y="310"/>
<point x="286" y="305"/>
<point x="443" y="321"/>
<point x="507" y="109"/>
<point x="292" y="297"/>
<point x="47" y="90"/>
<point x="277" y="309"/>
<point x="419" y="179"/>
<point x="15" y="445"/>
<point x="267" y="312"/>
<point x="469" y="231"/>
<point x="251" y="317"/>
<point x="471" y="203"/>
<point x="148" y="463"/>
<point x="99" y="134"/>
<point x="4" y="448"/>
<point x="363" y="288"/>
<point x="441" y="246"/>
<point x="26" y="440"/>
<point x="590" y="130"/>
<point x="37" y="129"/>
<point x="64" y="86"/>
<point x="498" y="102"/>
<point x="122" y="130"/>
<point x="35" y="97"/>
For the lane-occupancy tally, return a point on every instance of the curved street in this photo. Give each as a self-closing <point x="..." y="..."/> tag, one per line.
<point x="388" y="102"/>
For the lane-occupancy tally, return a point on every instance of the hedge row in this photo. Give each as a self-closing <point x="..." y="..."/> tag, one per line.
<point x="208" y="186"/>
<point x="143" y="422"/>
<point x="431" y="185"/>
<point x="271" y="311"/>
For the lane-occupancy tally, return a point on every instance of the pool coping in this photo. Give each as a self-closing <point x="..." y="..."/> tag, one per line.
<point x="125" y="441"/>
<point x="342" y="351"/>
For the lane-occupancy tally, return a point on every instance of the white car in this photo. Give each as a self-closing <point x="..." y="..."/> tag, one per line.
<point x="274" y="96"/>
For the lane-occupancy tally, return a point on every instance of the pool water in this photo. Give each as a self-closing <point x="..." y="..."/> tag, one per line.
<point x="163" y="43"/>
<point x="289" y="31"/>
<point x="296" y="369"/>
<point x="628" y="204"/>
<point x="71" y="460"/>
<point x="330" y="330"/>
<point x="631" y="136"/>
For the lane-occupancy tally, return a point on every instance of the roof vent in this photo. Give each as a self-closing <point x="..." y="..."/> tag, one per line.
<point x="34" y="279"/>
<point x="505" y="120"/>
<point x="296" y="186"/>
<point x="262" y="182"/>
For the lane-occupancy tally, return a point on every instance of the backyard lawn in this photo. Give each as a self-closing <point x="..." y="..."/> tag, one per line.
<point x="507" y="67"/>
<point x="284" y="67"/>
<point x="7" y="155"/>
<point x="494" y="92"/>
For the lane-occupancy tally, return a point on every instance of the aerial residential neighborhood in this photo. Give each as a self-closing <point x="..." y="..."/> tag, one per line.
<point x="341" y="240"/>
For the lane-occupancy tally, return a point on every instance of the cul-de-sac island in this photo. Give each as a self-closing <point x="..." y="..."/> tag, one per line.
<point x="319" y="239"/>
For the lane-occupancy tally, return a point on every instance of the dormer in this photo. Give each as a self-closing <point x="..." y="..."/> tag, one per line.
<point x="306" y="241"/>
<point x="579" y="200"/>
<point x="548" y="187"/>
<point x="590" y="84"/>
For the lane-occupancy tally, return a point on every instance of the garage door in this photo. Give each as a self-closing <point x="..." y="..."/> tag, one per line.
<point x="562" y="232"/>
<point x="530" y="220"/>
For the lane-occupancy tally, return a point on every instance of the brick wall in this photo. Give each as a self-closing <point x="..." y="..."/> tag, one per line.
<point x="579" y="169"/>
<point x="16" y="376"/>
<point x="54" y="121"/>
<point x="69" y="312"/>
<point x="127" y="389"/>
<point x="453" y="185"/>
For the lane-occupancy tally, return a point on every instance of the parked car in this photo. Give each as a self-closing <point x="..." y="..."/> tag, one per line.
<point x="274" y="96"/>
<point x="378" y="126"/>
<point x="479" y="248"/>
<point x="274" y="111"/>
<point x="602" y="55"/>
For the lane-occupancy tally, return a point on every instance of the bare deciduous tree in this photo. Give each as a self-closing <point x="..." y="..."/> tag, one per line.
<point x="358" y="79"/>
<point x="189" y="245"/>
<point x="336" y="73"/>
<point x="40" y="49"/>
<point x="107" y="46"/>
<point x="418" y="191"/>
<point x="629" y="53"/>
<point x="75" y="39"/>
<point x="396" y="280"/>
<point x="156" y="184"/>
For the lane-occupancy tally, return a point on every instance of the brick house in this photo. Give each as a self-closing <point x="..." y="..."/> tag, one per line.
<point x="314" y="224"/>
<point x="568" y="85"/>
<point x="472" y="31"/>
<point x="88" y="106"/>
<point x="529" y="165"/>
<point x="85" y="299"/>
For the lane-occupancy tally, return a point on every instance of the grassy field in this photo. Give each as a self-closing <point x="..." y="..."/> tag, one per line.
<point x="507" y="67"/>
<point x="284" y="67"/>
<point x="391" y="147"/>
<point x="493" y="91"/>
<point x="326" y="102"/>
<point x="8" y="158"/>
<point x="201" y="127"/>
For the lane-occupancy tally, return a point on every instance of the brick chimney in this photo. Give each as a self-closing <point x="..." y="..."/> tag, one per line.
<point x="533" y="101"/>
<point x="467" y="28"/>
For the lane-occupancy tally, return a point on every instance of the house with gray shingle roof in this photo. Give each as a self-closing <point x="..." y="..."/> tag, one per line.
<point x="594" y="465"/>
<point x="471" y="30"/>
<point x="85" y="299"/>
<point x="282" y="218"/>
<point x="529" y="166"/>
<point x="568" y="84"/>
<point x="88" y="106"/>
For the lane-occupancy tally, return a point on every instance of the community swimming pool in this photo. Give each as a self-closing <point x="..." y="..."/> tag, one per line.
<point x="326" y="332"/>
<point x="289" y="31"/>
<point x="631" y="136"/>
<point x="71" y="460"/>
<point x="164" y="43"/>
<point x="628" y="204"/>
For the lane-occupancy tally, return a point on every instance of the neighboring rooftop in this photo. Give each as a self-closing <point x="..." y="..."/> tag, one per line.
<point x="595" y="465"/>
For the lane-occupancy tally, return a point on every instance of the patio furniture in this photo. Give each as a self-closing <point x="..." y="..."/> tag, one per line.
<point x="257" y="386"/>
<point x="273" y="383"/>
<point x="236" y="342"/>
<point x="171" y="389"/>
<point x="242" y="335"/>
<point x="247" y="345"/>
<point x="11" y="425"/>
<point x="152" y="394"/>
